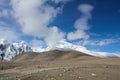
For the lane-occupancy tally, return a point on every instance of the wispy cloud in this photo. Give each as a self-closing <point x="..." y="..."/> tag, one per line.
<point x="81" y="24"/>
<point x="102" y="42"/>
<point x="105" y="42"/>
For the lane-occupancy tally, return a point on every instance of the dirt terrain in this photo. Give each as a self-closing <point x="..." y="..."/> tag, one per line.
<point x="60" y="65"/>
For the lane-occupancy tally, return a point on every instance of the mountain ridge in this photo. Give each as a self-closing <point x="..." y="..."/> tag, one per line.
<point x="12" y="49"/>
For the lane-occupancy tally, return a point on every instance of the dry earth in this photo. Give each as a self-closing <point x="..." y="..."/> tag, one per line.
<point x="60" y="65"/>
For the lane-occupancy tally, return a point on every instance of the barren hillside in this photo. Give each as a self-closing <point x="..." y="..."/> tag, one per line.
<point x="60" y="65"/>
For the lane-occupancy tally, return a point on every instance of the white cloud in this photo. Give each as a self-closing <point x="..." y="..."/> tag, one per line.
<point x="34" y="17"/>
<point x="8" y="33"/>
<point x="77" y="35"/>
<point x="102" y="42"/>
<point x="81" y="24"/>
<point x="106" y="42"/>
<point x="86" y="9"/>
<point x="54" y="36"/>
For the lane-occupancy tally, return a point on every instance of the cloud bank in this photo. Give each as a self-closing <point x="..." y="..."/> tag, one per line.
<point x="34" y="17"/>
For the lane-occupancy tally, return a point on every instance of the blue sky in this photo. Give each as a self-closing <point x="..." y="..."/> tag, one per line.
<point x="94" y="24"/>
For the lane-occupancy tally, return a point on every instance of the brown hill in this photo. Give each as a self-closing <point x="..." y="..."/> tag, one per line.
<point x="50" y="56"/>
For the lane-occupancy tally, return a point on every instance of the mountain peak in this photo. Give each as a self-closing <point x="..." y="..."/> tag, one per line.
<point x="12" y="49"/>
<point x="23" y="42"/>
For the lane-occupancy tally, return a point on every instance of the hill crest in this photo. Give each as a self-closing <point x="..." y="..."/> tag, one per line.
<point x="50" y="55"/>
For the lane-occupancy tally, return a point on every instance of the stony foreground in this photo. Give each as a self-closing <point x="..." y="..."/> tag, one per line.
<point x="99" y="69"/>
<point x="65" y="67"/>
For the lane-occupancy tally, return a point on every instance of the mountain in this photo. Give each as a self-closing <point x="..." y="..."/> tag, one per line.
<point x="12" y="49"/>
<point x="66" y="46"/>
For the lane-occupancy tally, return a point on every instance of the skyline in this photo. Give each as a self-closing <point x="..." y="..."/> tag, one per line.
<point x="92" y="24"/>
